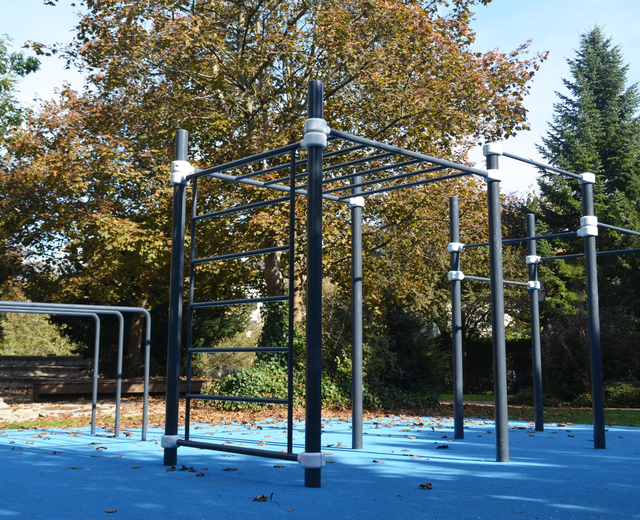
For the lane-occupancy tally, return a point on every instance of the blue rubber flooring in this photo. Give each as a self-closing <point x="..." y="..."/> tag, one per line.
<point x="409" y="468"/>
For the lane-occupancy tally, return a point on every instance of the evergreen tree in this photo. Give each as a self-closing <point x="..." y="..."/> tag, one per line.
<point x="595" y="129"/>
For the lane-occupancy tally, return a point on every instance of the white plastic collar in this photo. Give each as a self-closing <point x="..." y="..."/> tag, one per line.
<point x="179" y="172"/>
<point x="356" y="202"/>
<point x="534" y="285"/>
<point x="169" y="441"/>
<point x="494" y="175"/>
<point x="456" y="276"/>
<point x="316" y="131"/>
<point x="455" y="247"/>
<point x="533" y="259"/>
<point x="589" y="226"/>
<point x="587" y="178"/>
<point x="311" y="460"/>
<point x="492" y="149"/>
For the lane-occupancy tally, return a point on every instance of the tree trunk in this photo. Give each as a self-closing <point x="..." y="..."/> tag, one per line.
<point x="135" y="341"/>
<point x="299" y="280"/>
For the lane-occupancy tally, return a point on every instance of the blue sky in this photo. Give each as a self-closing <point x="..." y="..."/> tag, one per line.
<point x="552" y="25"/>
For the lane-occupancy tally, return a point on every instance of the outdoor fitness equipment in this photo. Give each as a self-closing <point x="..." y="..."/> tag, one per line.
<point x="317" y="135"/>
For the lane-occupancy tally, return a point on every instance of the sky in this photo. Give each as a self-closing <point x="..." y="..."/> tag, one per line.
<point x="551" y="25"/>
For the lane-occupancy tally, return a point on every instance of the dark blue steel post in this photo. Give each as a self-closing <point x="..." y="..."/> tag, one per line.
<point x="175" y="302"/>
<point x="593" y="311"/>
<point x="456" y="322"/>
<point x="356" y="318"/>
<point x="313" y="412"/>
<point x="493" y="153"/>
<point x="534" y="304"/>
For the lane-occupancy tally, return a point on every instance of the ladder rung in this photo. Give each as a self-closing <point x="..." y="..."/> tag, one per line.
<point x="241" y="208"/>
<point x="244" y="254"/>
<point x="215" y="350"/>
<point x="247" y="301"/>
<point x="267" y="400"/>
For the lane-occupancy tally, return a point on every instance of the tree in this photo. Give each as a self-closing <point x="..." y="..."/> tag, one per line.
<point x="88" y="176"/>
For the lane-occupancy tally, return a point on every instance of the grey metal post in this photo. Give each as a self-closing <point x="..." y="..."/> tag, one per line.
<point x="492" y="153"/>
<point x="534" y="304"/>
<point x="356" y="316"/>
<point x="175" y="302"/>
<point x="456" y="321"/>
<point x="593" y="310"/>
<point x="313" y="412"/>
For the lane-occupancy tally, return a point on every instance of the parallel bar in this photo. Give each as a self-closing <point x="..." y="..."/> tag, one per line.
<point x="215" y="350"/>
<point x="541" y="165"/>
<point x="238" y="209"/>
<point x="244" y="254"/>
<point x="526" y="239"/>
<point x="407" y="185"/>
<point x="385" y="179"/>
<point x="373" y="170"/>
<point x="244" y="161"/>
<point x="220" y="303"/>
<point x="408" y="153"/>
<point x="593" y="313"/>
<point x="483" y="279"/>
<point x="534" y="305"/>
<point x="356" y="321"/>
<point x="241" y="450"/>
<point x="562" y="257"/>
<point x="599" y="253"/>
<point x="616" y="228"/>
<point x="456" y="323"/>
<point x="240" y="399"/>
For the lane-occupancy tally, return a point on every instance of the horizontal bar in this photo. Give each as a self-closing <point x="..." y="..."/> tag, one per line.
<point x="540" y="165"/>
<point x="238" y="209"/>
<point x="244" y="161"/>
<point x="407" y="153"/>
<point x="525" y="239"/>
<point x="407" y="185"/>
<point x="264" y="400"/>
<point x="247" y="301"/>
<point x="482" y="279"/>
<point x="616" y="228"/>
<point x="241" y="450"/>
<point x="599" y="253"/>
<point x="386" y="179"/>
<point x="244" y="254"/>
<point x="215" y="350"/>
<point x="562" y="257"/>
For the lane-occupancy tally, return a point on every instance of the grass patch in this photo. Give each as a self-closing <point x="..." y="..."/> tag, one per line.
<point x="478" y="398"/>
<point x="37" y="424"/>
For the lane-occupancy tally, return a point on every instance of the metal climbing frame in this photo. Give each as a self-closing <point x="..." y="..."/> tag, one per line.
<point x="367" y="163"/>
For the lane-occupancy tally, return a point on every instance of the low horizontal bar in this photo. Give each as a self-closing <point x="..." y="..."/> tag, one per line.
<point x="540" y="165"/>
<point x="238" y="209"/>
<point x="483" y="279"/>
<point x="385" y="179"/>
<point x="407" y="153"/>
<point x="525" y="239"/>
<point x="247" y="301"/>
<point x="616" y="228"/>
<point x="264" y="400"/>
<point x="244" y="161"/>
<point x="216" y="350"/>
<point x="407" y="185"/>
<point x="562" y="257"/>
<point x="599" y="253"/>
<point x="244" y="254"/>
<point x="241" y="450"/>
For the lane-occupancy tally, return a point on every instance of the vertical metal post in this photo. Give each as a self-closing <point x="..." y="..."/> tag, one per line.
<point x="493" y="152"/>
<point x="94" y="394"/>
<point x="175" y="302"/>
<point x="292" y="261"/>
<point x="534" y="305"/>
<point x="456" y="322"/>
<point x="593" y="312"/>
<point x="313" y="412"/>
<point x="356" y="318"/>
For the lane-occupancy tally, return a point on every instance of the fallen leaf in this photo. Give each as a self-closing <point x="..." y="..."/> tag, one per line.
<point x="117" y="456"/>
<point x="426" y="486"/>
<point x="136" y="467"/>
<point x="230" y="469"/>
<point x="74" y="467"/>
<point x="260" y="498"/>
<point x="29" y="442"/>
<point x="279" y="466"/>
<point x="110" y="510"/>
<point x="443" y="447"/>
<point x="200" y="474"/>
<point x="172" y="468"/>
<point x="378" y="461"/>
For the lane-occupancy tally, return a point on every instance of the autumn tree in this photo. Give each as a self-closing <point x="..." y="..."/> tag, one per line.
<point x="89" y="174"/>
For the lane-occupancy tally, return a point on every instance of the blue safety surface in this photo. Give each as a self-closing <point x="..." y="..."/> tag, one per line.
<point x="409" y="468"/>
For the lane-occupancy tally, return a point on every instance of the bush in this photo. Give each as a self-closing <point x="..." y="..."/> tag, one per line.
<point x="526" y="398"/>
<point x="616" y="395"/>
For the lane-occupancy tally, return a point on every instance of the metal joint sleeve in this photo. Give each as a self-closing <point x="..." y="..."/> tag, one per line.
<point x="311" y="460"/>
<point x="455" y="247"/>
<point x="589" y="226"/>
<point x="531" y="285"/>
<point x="587" y="178"/>
<point x="492" y="149"/>
<point x="493" y="175"/>
<point x="533" y="259"/>
<point x="356" y="202"/>
<point x="316" y="131"/>
<point x="169" y="441"/>
<point x="179" y="172"/>
<point x="456" y="276"/>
